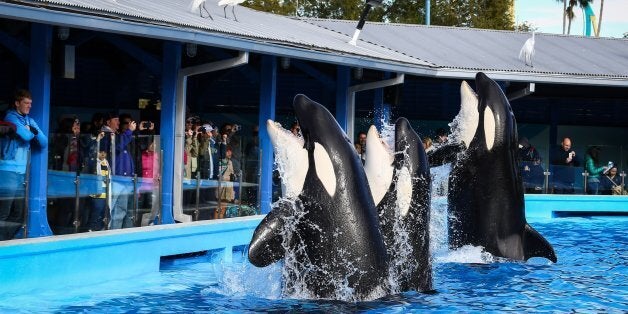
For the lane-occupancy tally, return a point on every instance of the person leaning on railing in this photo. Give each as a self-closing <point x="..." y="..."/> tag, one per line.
<point x="14" y="151"/>
<point x="591" y="162"/>
<point x="564" y="161"/>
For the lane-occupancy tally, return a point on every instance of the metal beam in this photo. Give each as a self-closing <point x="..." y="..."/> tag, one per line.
<point x="326" y="80"/>
<point x="528" y="90"/>
<point x="148" y="60"/>
<point x="16" y="46"/>
<point x="39" y="84"/>
<point x="344" y="114"/>
<point x="268" y="100"/>
<point x="171" y="66"/>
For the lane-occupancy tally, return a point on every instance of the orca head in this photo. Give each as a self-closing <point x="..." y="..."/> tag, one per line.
<point x="496" y="116"/>
<point x="411" y="162"/>
<point x="325" y="141"/>
<point x="378" y="164"/>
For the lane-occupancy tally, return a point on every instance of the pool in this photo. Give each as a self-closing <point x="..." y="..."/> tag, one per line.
<point x="591" y="274"/>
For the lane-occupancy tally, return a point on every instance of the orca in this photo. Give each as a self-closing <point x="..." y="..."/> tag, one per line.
<point x="336" y="241"/>
<point x="404" y="207"/>
<point x="486" y="198"/>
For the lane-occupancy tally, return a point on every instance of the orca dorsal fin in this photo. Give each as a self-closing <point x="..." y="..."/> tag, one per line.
<point x="535" y="245"/>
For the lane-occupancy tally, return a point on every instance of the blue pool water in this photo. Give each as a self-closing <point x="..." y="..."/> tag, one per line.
<point x="591" y="275"/>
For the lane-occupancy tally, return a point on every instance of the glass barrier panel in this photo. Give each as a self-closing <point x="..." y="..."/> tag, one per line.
<point x="13" y="191"/>
<point x="72" y="182"/>
<point x="221" y="172"/>
<point x="147" y="209"/>
<point x="566" y="180"/>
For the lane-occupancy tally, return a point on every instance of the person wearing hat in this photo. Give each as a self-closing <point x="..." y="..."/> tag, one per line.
<point x="120" y="217"/>
<point x="207" y="151"/>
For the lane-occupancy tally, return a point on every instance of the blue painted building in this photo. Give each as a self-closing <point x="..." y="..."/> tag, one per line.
<point x="167" y="62"/>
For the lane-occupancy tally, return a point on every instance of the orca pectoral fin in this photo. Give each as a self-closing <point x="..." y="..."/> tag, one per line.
<point x="536" y="245"/>
<point x="444" y="154"/>
<point x="266" y="246"/>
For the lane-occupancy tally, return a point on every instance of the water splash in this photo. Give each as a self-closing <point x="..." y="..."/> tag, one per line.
<point x="467" y="254"/>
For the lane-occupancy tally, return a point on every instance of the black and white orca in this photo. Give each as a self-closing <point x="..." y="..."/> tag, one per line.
<point x="336" y="238"/>
<point x="486" y="198"/>
<point x="400" y="184"/>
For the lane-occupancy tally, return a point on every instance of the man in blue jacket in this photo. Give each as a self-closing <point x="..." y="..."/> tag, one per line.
<point x="14" y="152"/>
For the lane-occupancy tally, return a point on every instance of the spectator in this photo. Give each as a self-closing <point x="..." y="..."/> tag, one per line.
<point x="191" y="147"/>
<point x="65" y="146"/>
<point x="591" y="165"/>
<point x="360" y="146"/>
<point x="226" y="193"/>
<point x="295" y="129"/>
<point x="610" y="183"/>
<point x="14" y="152"/>
<point x="120" y="218"/>
<point x="99" y="201"/>
<point x="564" y="162"/>
<point x="530" y="167"/>
<point x="207" y="151"/>
<point x="150" y="176"/>
<point x="427" y="144"/>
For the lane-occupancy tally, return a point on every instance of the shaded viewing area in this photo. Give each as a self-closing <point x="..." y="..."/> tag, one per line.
<point x="95" y="75"/>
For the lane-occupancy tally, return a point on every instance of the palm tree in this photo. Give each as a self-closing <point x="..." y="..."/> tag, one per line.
<point x="564" y="13"/>
<point x="569" y="11"/>
<point x="599" y="22"/>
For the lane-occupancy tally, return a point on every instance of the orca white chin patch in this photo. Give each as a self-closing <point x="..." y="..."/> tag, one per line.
<point x="378" y="165"/>
<point x="290" y="158"/>
<point x="466" y="122"/>
<point x="325" y="169"/>
<point x="404" y="191"/>
<point x="489" y="128"/>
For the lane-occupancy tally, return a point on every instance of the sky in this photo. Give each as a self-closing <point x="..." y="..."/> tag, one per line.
<point x="546" y="16"/>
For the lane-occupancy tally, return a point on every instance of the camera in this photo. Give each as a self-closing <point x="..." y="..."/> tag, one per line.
<point x="610" y="164"/>
<point x="146" y="124"/>
<point x="236" y="127"/>
<point x="232" y="177"/>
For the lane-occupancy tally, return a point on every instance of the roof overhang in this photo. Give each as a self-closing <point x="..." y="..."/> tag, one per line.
<point x="119" y="25"/>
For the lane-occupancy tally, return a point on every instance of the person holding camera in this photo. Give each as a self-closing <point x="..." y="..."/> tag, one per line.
<point x="14" y="151"/>
<point x="226" y="192"/>
<point x="564" y="161"/>
<point x="207" y="151"/>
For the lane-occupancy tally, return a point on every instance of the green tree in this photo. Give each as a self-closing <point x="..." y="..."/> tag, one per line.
<point x="494" y="14"/>
<point x="526" y="27"/>
<point x="408" y="12"/>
